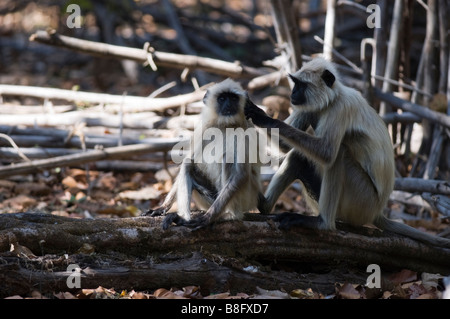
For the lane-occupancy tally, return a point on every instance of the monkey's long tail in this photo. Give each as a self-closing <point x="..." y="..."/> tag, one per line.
<point x="408" y="231"/>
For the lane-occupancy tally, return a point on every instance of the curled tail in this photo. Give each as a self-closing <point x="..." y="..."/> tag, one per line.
<point x="408" y="231"/>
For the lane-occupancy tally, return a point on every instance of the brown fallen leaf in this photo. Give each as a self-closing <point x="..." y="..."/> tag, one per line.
<point x="399" y="293"/>
<point x="20" y="202"/>
<point x="70" y="183"/>
<point x="7" y="184"/>
<point x="138" y="295"/>
<point x="64" y="295"/>
<point x="80" y="173"/>
<point x="223" y="295"/>
<point x="107" y="181"/>
<point x="387" y="295"/>
<point x="37" y="295"/>
<point x="192" y="292"/>
<point x="36" y="189"/>
<point x="145" y="193"/>
<point x="21" y="251"/>
<point x="347" y="291"/>
<point x="163" y="293"/>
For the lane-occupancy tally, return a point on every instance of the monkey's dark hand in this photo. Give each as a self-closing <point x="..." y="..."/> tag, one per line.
<point x="258" y="116"/>
<point x="172" y="218"/>
<point x="196" y="223"/>
<point x="154" y="212"/>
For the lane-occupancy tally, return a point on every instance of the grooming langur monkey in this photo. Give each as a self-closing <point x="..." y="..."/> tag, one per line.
<point x="225" y="188"/>
<point x="350" y="148"/>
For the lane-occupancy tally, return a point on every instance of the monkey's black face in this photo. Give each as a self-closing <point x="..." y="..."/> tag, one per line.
<point x="227" y="104"/>
<point x="298" y="96"/>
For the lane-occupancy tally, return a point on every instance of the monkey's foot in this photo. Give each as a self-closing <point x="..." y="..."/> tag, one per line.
<point x="195" y="223"/>
<point x="154" y="212"/>
<point x="288" y="220"/>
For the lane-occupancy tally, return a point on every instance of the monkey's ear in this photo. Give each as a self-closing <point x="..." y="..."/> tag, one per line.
<point x="205" y="97"/>
<point x="293" y="78"/>
<point x="328" y="78"/>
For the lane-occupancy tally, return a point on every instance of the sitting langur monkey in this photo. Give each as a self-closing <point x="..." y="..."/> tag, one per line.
<point x="228" y="186"/>
<point x="351" y="150"/>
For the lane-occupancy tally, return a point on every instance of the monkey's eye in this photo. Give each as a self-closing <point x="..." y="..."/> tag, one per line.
<point x="301" y="85"/>
<point x="233" y="98"/>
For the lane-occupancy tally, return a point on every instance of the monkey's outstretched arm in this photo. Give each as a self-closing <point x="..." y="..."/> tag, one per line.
<point x="322" y="149"/>
<point x="295" y="166"/>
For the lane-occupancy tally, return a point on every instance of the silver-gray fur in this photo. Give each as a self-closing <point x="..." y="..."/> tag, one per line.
<point x="224" y="190"/>
<point x="350" y="148"/>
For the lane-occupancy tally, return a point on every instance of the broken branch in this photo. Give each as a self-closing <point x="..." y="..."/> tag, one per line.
<point x="79" y="158"/>
<point x="165" y="59"/>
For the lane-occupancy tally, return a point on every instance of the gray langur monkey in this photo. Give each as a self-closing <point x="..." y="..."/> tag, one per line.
<point x="350" y="148"/>
<point x="228" y="186"/>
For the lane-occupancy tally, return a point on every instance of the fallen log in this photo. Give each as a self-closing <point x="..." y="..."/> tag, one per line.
<point x="411" y="184"/>
<point x="136" y="252"/>
<point x="416" y="109"/>
<point x="85" y="157"/>
<point x="116" y="103"/>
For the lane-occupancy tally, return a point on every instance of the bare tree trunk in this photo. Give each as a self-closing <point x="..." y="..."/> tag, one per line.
<point x="381" y="43"/>
<point x="314" y="6"/>
<point x="393" y="52"/>
<point x="429" y="63"/>
<point x="415" y="185"/>
<point x="329" y="29"/>
<point x="443" y="40"/>
<point x="286" y="28"/>
<point x="429" y="86"/>
<point x="182" y="40"/>
<point x="448" y="89"/>
<point x="83" y="157"/>
<point x="419" y="110"/>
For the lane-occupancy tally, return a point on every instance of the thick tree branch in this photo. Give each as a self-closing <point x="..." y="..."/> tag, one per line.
<point x="417" y="109"/>
<point x="164" y="59"/>
<point x="125" y="103"/>
<point x="83" y="157"/>
<point x="257" y="240"/>
<point x="410" y="184"/>
<point x="136" y="252"/>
